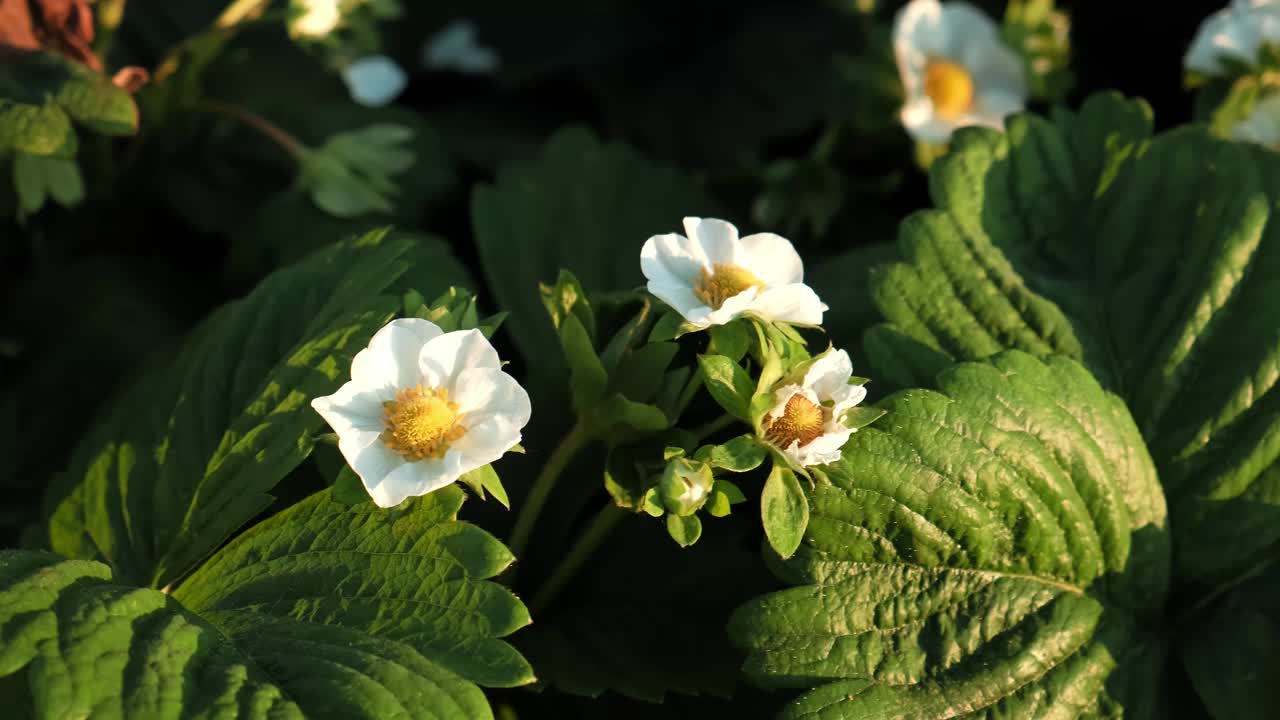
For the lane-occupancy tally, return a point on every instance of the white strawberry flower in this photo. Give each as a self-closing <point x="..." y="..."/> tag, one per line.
<point x="1262" y="126"/>
<point x="1238" y="31"/>
<point x="807" y="421"/>
<point x="713" y="276"/>
<point x="314" y="18"/>
<point x="956" y="70"/>
<point x="423" y="407"/>
<point x="375" y="80"/>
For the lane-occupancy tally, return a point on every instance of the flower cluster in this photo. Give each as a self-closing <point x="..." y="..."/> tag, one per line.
<point x="426" y="407"/>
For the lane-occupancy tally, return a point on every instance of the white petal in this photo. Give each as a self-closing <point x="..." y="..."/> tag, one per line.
<point x="923" y="124"/>
<point x="442" y="358"/>
<point x="374" y="81"/>
<point x="829" y="374"/>
<point x="731" y="307"/>
<point x="391" y="360"/>
<point x="484" y="392"/>
<point x="823" y="450"/>
<point x="717" y="238"/>
<point x="485" y="442"/>
<point x="373" y="463"/>
<point x="966" y="26"/>
<point x="684" y="301"/>
<point x="996" y="67"/>
<point x="672" y="260"/>
<point x="918" y="28"/>
<point x="771" y="258"/>
<point x="353" y="408"/>
<point x="993" y="106"/>
<point x="796" y="303"/>
<point x="455" y="48"/>
<point x="416" y="478"/>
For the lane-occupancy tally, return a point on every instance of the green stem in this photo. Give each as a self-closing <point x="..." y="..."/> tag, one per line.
<point x="268" y="129"/>
<point x="108" y="14"/>
<point x="690" y="389"/>
<point x="542" y="486"/>
<point x="713" y="427"/>
<point x="594" y="534"/>
<point x="239" y="11"/>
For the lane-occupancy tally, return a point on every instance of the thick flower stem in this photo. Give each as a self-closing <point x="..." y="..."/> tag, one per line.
<point x="542" y="486"/>
<point x="594" y="534"/>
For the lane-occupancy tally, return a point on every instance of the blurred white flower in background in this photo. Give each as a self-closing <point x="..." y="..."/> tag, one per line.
<point x="455" y="48"/>
<point x="956" y="70"/>
<point x="1238" y="31"/>
<point x="314" y="18"/>
<point x="1262" y="126"/>
<point x="423" y="408"/>
<point x="713" y="276"/>
<point x="374" y="80"/>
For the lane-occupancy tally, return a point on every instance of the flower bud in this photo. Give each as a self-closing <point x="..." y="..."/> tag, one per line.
<point x="685" y="486"/>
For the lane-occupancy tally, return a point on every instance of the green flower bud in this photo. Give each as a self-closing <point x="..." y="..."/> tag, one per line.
<point x="685" y="486"/>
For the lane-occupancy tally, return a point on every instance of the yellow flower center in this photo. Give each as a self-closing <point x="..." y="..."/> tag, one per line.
<point x="722" y="282"/>
<point x="950" y="87"/>
<point x="801" y="421"/>
<point x="421" y="423"/>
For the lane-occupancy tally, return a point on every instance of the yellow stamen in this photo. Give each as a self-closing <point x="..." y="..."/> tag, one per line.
<point x="801" y="421"/>
<point x="421" y="423"/>
<point x="722" y="282"/>
<point x="950" y="87"/>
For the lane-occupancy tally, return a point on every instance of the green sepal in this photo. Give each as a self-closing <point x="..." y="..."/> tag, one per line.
<point x="684" y="530"/>
<point x="784" y="509"/>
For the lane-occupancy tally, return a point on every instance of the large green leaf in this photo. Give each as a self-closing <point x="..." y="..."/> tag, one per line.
<point x="190" y="453"/>
<point x="412" y="573"/>
<point x="1152" y="261"/>
<point x="324" y="611"/>
<point x="584" y="206"/>
<point x="42" y="92"/>
<point x="990" y="549"/>
<point x="1233" y="652"/>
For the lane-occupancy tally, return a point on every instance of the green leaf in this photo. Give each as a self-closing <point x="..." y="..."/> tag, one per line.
<point x="566" y="298"/>
<point x="685" y="530"/>
<point x="581" y="204"/>
<point x="729" y="384"/>
<point x="641" y="417"/>
<point x="860" y="417"/>
<point x="784" y="509"/>
<point x="640" y="372"/>
<point x="732" y="339"/>
<point x="588" y="378"/>
<point x="412" y="574"/>
<point x="37" y="177"/>
<point x="40" y="91"/>
<point x="486" y="479"/>
<point x="327" y="610"/>
<point x="741" y="454"/>
<point x="1148" y="259"/>
<point x="1232" y="652"/>
<point x="191" y="452"/>
<point x="724" y="495"/>
<point x="991" y="552"/>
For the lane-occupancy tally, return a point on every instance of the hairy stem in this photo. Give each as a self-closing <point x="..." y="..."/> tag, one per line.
<point x="267" y="128"/>
<point x="542" y="486"/>
<point x="594" y="534"/>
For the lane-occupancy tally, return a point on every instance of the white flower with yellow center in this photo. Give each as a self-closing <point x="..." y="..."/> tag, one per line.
<point x="314" y="18"/>
<point x="423" y="407"/>
<point x="807" y="421"/>
<point x="1262" y="126"/>
<point x="1238" y="31"/>
<point x="713" y="276"/>
<point x="956" y="71"/>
